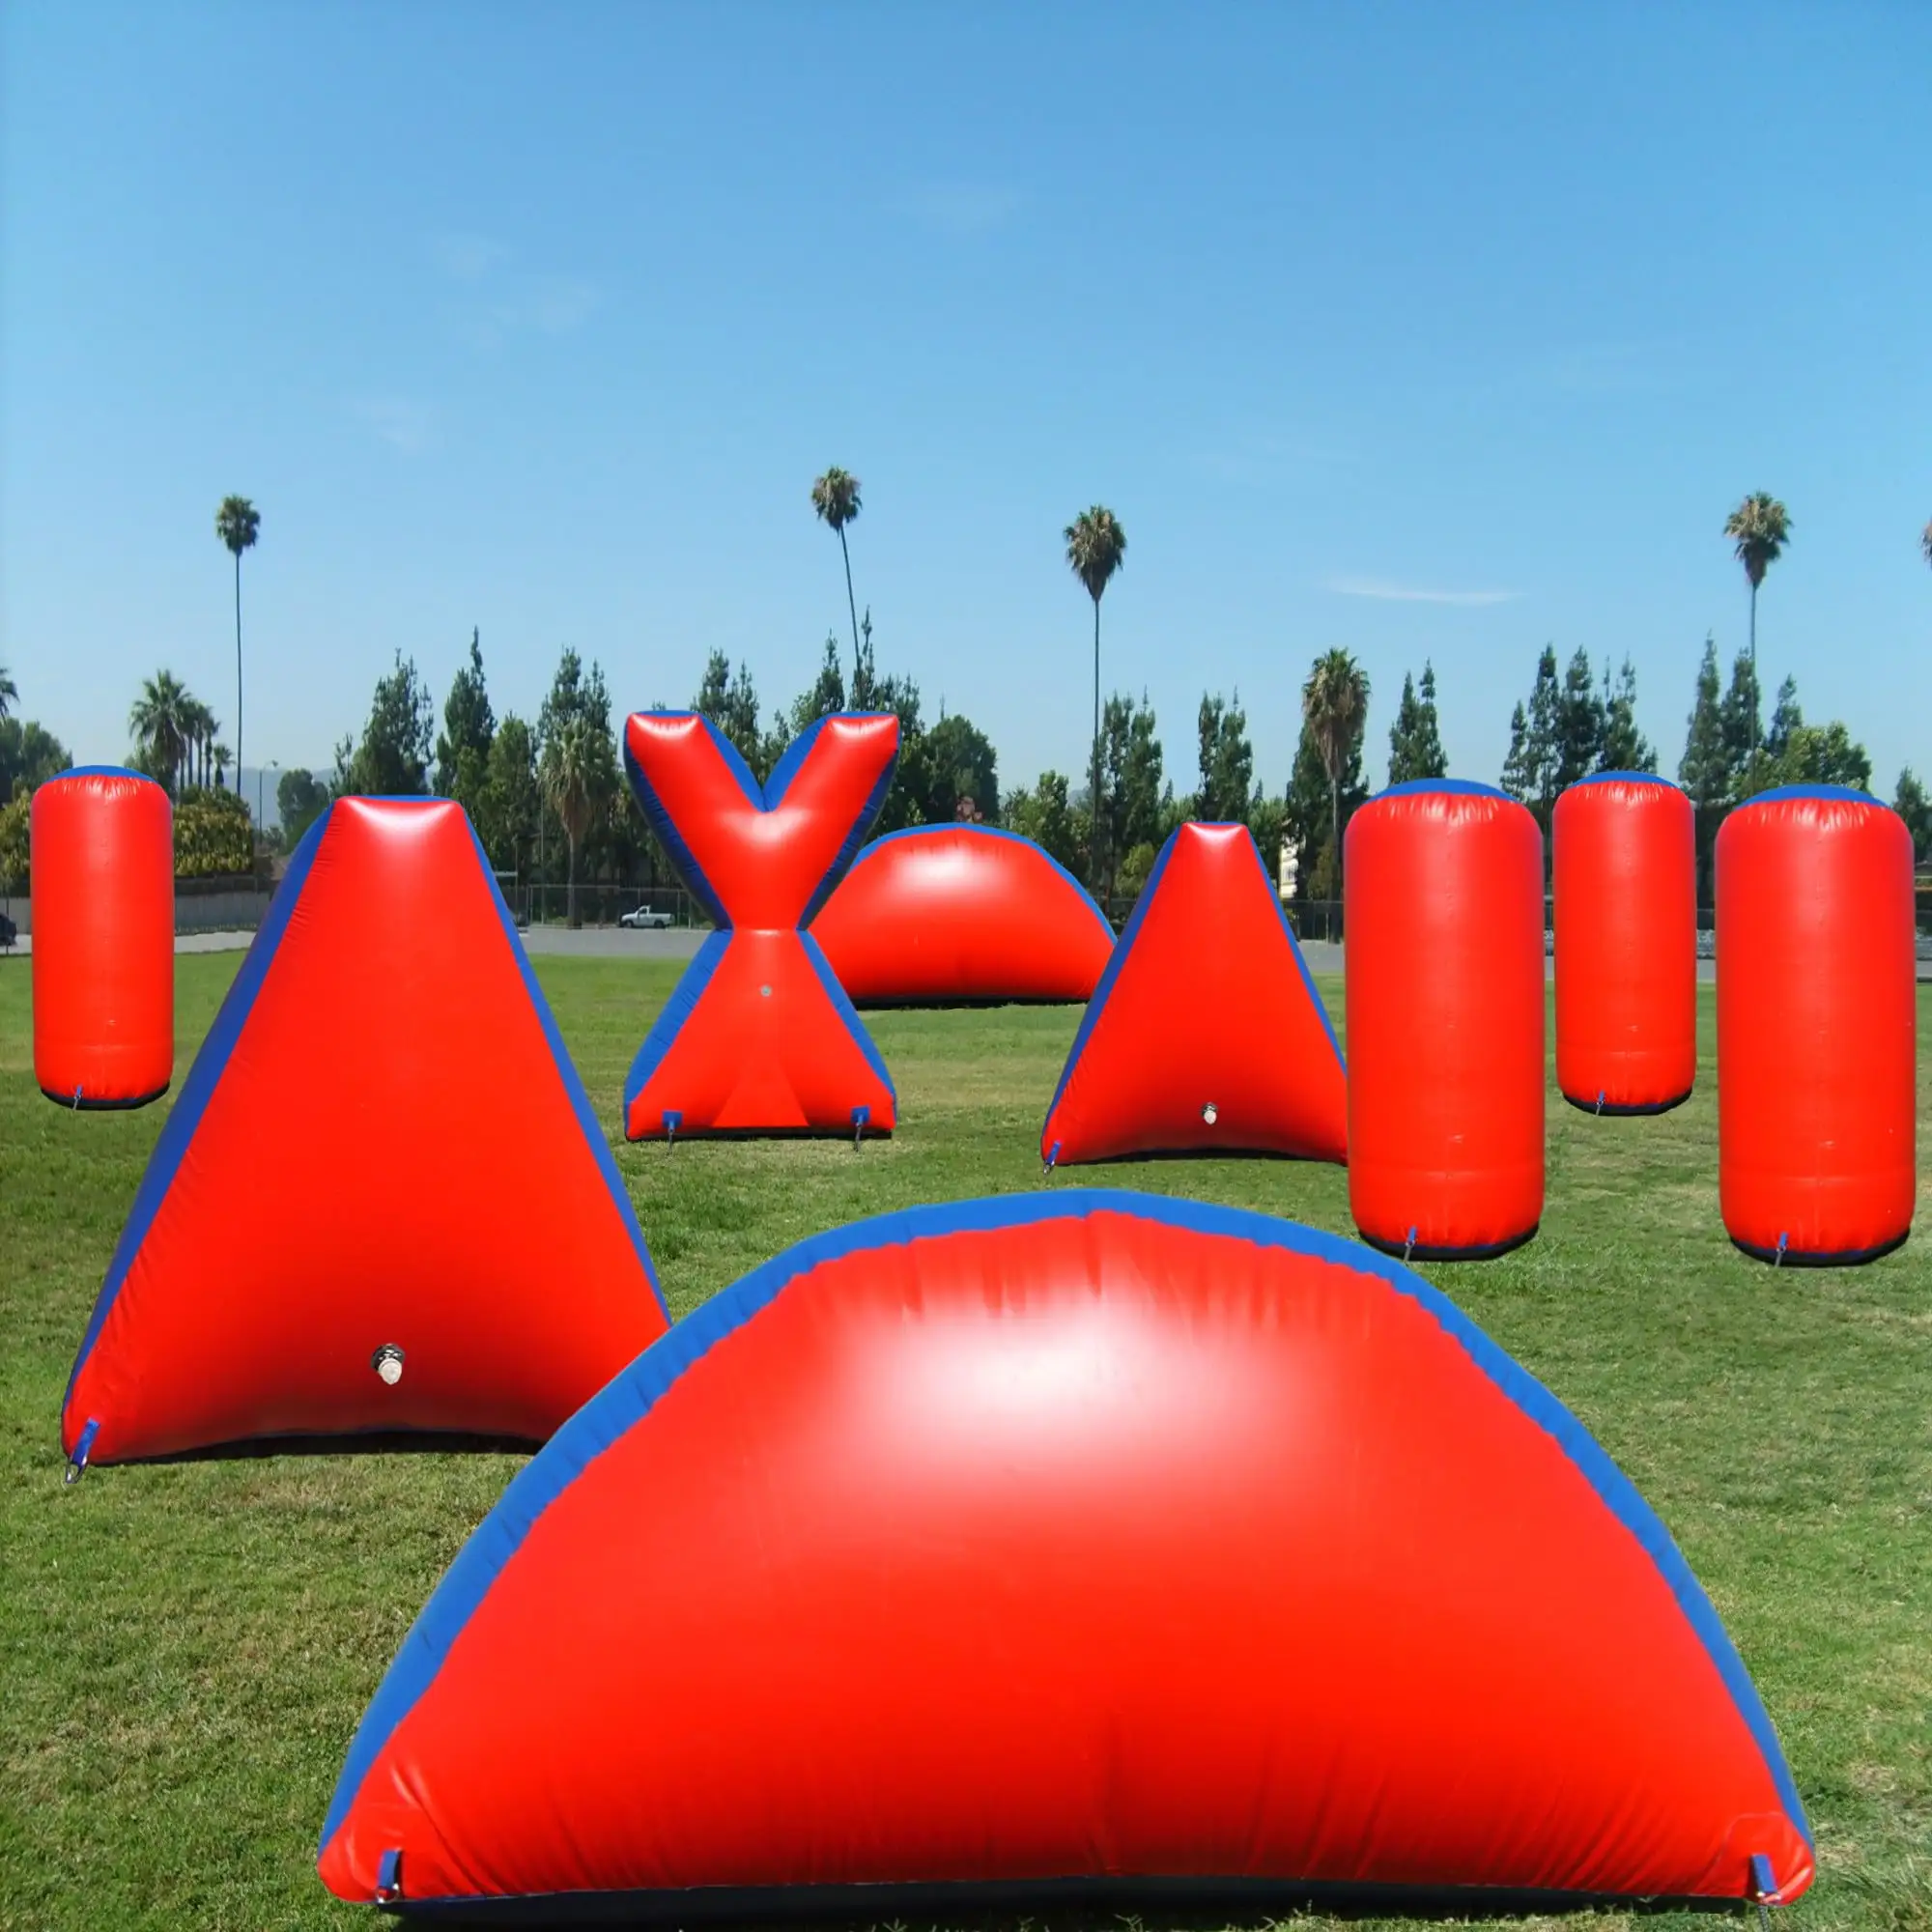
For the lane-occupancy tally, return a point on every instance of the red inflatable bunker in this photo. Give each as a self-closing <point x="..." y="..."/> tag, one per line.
<point x="757" y="1036"/>
<point x="953" y="914"/>
<point x="382" y="1202"/>
<point x="1080" y="1543"/>
<point x="1625" y="865"/>
<point x="1817" y="1027"/>
<point x="104" y="882"/>
<point x="1205" y="1033"/>
<point x="1443" y="887"/>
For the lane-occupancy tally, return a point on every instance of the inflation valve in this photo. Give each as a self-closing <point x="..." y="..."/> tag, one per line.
<point x="388" y="1362"/>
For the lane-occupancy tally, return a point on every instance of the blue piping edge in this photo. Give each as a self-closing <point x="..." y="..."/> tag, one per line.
<point x="1838" y="794"/>
<point x="629" y="1397"/>
<point x="566" y="1071"/>
<point x="1456" y="788"/>
<point x="842" y="1005"/>
<point x="1091" y="1018"/>
<point x="670" y="1022"/>
<point x="1120" y="959"/>
<point x="178" y="1131"/>
<point x="880" y="844"/>
<point x="1625" y="778"/>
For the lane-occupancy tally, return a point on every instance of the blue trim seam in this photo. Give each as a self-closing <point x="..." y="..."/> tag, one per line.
<point x="629" y="1397"/>
<point x="1097" y="1006"/>
<point x="1117" y="963"/>
<point x="690" y="988"/>
<point x="1624" y="778"/>
<point x="1837" y="794"/>
<point x="178" y="1131"/>
<point x="566" y="1071"/>
<point x="1455" y="787"/>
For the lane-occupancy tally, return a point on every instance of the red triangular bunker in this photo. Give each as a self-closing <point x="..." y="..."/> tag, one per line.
<point x="382" y="1202"/>
<point x="1205" y="1033"/>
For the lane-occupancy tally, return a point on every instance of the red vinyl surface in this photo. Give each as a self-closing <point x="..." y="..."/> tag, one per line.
<point x="1072" y="1535"/>
<point x="379" y="1144"/>
<point x="1817" y="1025"/>
<point x="103" y="959"/>
<point x="1444" y="965"/>
<point x="759" y="1037"/>
<point x="1626" y="892"/>
<point x="961" y="913"/>
<point x="1206" y="1032"/>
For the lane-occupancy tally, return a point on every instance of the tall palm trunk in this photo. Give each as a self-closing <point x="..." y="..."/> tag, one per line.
<point x="1750" y="779"/>
<point x="851" y="605"/>
<point x="1335" y="828"/>
<point x="1093" y="811"/>
<point x="570" y="890"/>
<point x="237" y="667"/>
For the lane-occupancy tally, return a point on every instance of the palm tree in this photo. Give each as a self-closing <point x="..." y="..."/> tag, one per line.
<point x="237" y="525"/>
<point x="222" y="757"/>
<point x="161" y="722"/>
<point x="571" y="781"/>
<point x="1334" y="706"/>
<point x="1759" y="527"/>
<point x="1096" y="547"/>
<point x="835" y="495"/>
<point x="9" y="692"/>
<point x="201" y="726"/>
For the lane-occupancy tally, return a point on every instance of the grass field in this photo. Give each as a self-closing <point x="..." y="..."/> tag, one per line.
<point x="184" y="1650"/>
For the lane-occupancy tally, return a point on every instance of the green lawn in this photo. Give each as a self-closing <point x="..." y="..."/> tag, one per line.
<point x="186" y="1649"/>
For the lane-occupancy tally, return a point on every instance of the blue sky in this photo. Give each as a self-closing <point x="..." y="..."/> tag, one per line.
<point x="1423" y="331"/>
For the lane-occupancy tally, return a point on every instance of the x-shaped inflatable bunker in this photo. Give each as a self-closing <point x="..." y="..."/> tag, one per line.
<point x="759" y="1037"/>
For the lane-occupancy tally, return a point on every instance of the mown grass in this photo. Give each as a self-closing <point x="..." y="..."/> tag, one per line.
<point x="184" y="1650"/>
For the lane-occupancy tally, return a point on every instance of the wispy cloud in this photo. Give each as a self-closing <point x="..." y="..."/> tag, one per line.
<point x="555" y="305"/>
<point x="402" y="424"/>
<point x="1403" y="593"/>
<point x="511" y="300"/>
<point x="468" y="258"/>
<point x="959" y="207"/>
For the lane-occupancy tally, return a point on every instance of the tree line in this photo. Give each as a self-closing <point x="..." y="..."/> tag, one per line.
<point x="546" y="797"/>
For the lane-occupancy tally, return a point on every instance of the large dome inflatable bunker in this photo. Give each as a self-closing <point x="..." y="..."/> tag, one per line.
<point x="962" y="914"/>
<point x="1817" y="1027"/>
<point x="1084" y="1543"/>
<point x="103" y="889"/>
<point x="759" y="1037"/>
<point x="382" y="1202"/>
<point x="1624" y="876"/>
<point x="1443" y="890"/>
<point x="1206" y="1034"/>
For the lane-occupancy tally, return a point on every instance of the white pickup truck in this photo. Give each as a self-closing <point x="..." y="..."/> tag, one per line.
<point x="641" y="918"/>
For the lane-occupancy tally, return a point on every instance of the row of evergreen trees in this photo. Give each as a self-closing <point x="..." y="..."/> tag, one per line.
<point x="550" y="805"/>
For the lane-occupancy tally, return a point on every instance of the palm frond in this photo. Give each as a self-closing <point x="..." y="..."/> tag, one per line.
<point x="1097" y="548"/>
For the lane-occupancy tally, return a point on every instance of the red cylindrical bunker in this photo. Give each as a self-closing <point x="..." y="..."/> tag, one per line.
<point x="1626" y="881"/>
<point x="104" y="897"/>
<point x="1443" y="920"/>
<point x="1817" y="1026"/>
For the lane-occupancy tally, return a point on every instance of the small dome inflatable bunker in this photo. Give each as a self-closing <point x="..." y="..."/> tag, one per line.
<point x="382" y="1204"/>
<point x="957" y="914"/>
<point x="1085" y="1543"/>
<point x="1625" y="877"/>
<point x="757" y="1037"/>
<point x="103" y="884"/>
<point x="1206" y="1034"/>
<point x="1817" y="1027"/>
